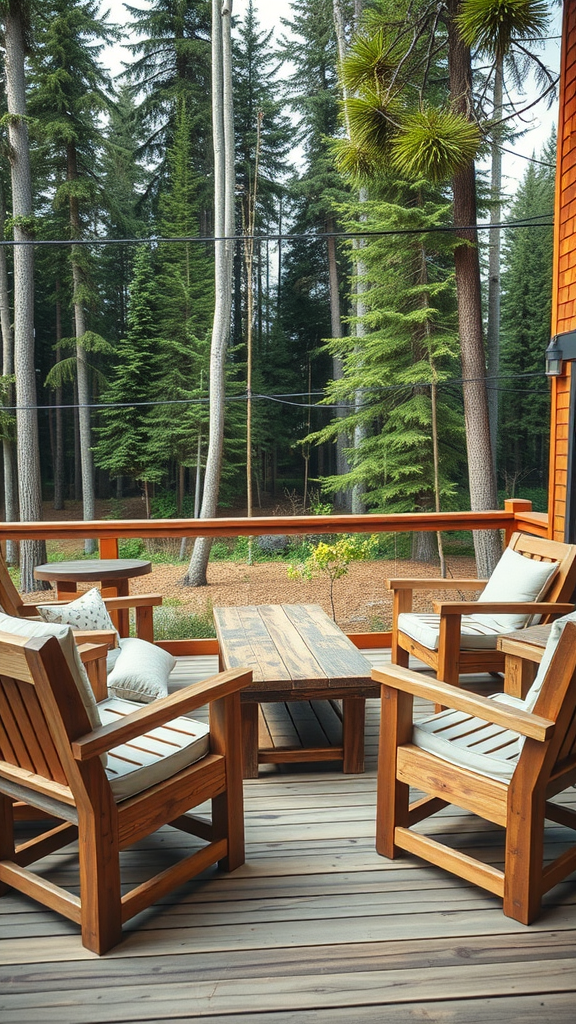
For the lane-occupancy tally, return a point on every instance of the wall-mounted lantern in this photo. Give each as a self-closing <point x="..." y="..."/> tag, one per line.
<point x="554" y="356"/>
<point x="561" y="347"/>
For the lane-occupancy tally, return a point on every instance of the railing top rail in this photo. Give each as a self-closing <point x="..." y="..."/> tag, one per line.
<point x="259" y="525"/>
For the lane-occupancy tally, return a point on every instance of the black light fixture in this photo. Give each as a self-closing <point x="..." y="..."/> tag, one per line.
<point x="554" y="357"/>
<point x="561" y="348"/>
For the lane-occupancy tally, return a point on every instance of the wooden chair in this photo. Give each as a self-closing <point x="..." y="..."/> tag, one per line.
<point x="440" y="644"/>
<point x="511" y="782"/>
<point x="51" y="757"/>
<point x="12" y="604"/>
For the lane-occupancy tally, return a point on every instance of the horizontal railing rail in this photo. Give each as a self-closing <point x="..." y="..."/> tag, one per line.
<point x="517" y="514"/>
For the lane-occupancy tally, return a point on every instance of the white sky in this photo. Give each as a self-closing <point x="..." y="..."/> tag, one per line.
<point x="538" y="121"/>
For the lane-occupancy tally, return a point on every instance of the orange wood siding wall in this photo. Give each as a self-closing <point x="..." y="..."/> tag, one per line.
<point x="564" y="280"/>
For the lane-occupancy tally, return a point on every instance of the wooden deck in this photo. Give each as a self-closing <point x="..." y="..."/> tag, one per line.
<point x="314" y="929"/>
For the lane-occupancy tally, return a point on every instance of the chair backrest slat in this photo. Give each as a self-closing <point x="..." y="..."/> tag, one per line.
<point x="27" y="738"/>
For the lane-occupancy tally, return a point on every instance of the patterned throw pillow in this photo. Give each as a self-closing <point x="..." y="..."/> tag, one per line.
<point x="86" y="612"/>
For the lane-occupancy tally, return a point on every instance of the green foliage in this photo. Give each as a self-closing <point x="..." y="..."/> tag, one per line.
<point x="524" y="412"/>
<point x="407" y="343"/>
<point x="491" y="25"/>
<point x="131" y="547"/>
<point x="434" y="143"/>
<point x="173" y="623"/>
<point x="332" y="560"/>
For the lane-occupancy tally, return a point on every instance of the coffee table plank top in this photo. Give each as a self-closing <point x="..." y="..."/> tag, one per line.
<point x="290" y="646"/>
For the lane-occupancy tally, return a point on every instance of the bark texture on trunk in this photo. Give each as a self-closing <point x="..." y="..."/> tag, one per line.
<point x="341" y="14"/>
<point x="494" y="250"/>
<point x="82" y="370"/>
<point x="29" y="479"/>
<point x="8" y="450"/>
<point x="224" y="187"/>
<point x="482" y="480"/>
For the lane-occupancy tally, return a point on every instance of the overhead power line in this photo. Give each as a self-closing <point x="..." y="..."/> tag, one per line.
<point x="541" y="220"/>
<point x="288" y="398"/>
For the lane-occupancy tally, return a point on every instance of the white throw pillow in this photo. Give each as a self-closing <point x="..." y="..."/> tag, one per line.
<point x="515" y="578"/>
<point x="65" y="636"/>
<point x="86" y="612"/>
<point x="140" y="671"/>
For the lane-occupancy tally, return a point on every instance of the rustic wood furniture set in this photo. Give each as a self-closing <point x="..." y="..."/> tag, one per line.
<point x="51" y="756"/>
<point x="296" y="653"/>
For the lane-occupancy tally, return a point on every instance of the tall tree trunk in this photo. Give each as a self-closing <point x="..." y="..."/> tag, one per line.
<point x="224" y="187"/>
<point x="482" y="480"/>
<point x="29" y="479"/>
<point x="82" y="371"/>
<point x="494" y="247"/>
<point x="59" y="439"/>
<point x="8" y="451"/>
<point x="343" y="498"/>
<point x="358" y="505"/>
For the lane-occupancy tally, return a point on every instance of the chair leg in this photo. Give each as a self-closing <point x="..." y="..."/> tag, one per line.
<point x="353" y="724"/>
<point x="100" y="894"/>
<point x="6" y="835"/>
<point x="392" y="799"/>
<point x="524" y="859"/>
<point x="228" y="807"/>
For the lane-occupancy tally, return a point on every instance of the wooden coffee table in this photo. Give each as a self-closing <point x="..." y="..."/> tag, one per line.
<point x="296" y="652"/>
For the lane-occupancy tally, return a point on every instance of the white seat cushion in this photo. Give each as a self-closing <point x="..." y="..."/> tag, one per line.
<point x="469" y="742"/>
<point x="475" y="633"/>
<point x="149" y="759"/>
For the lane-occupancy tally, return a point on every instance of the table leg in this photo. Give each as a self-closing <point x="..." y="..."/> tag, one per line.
<point x="250" y="739"/>
<point x="66" y="590"/>
<point x="121" y="619"/>
<point x="519" y="674"/>
<point x="353" y="715"/>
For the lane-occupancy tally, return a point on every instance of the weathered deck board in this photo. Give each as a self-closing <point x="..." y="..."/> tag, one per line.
<point x="314" y="929"/>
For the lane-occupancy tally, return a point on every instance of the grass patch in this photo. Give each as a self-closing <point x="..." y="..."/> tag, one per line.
<point x="172" y="622"/>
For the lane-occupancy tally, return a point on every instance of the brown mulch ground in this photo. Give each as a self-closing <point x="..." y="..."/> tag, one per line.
<point x="361" y="600"/>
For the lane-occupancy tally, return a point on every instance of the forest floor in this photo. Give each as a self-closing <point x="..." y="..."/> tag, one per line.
<point x="362" y="602"/>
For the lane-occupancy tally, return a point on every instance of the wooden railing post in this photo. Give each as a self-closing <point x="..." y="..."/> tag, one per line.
<point x="108" y="547"/>
<point x="515" y="505"/>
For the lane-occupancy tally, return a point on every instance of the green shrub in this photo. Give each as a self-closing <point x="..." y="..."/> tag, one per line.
<point x="174" y="623"/>
<point x="132" y="547"/>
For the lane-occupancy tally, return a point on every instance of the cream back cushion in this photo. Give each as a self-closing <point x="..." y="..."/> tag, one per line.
<point x="139" y="671"/>
<point x="553" y="641"/>
<point x="515" y="578"/>
<point x="65" y="637"/>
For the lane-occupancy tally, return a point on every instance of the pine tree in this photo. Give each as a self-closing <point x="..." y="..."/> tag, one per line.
<point x="526" y="312"/>
<point x="172" y="62"/>
<point x="409" y="346"/>
<point x="185" y="281"/>
<point x="68" y="97"/>
<point x="125" y="443"/>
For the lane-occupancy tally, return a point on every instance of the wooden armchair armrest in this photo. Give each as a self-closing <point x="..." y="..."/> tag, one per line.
<point x="159" y="712"/>
<point x="118" y="603"/>
<point x="132" y="601"/>
<point x="523" y="722"/>
<point x="96" y="636"/>
<point x="501" y="607"/>
<point x="435" y="584"/>
<point x="91" y="652"/>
